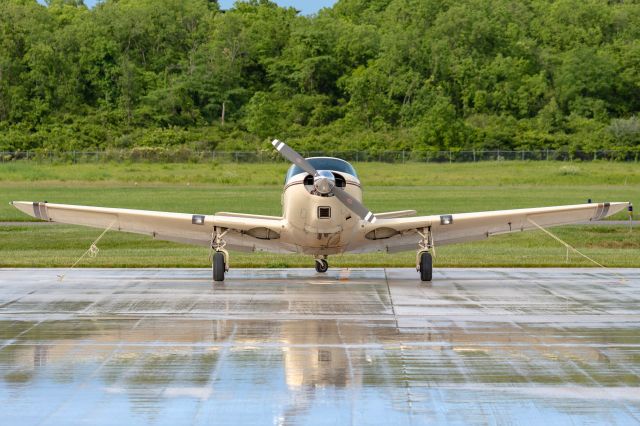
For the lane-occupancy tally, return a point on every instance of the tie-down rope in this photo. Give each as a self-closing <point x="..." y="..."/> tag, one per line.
<point x="570" y="247"/>
<point x="92" y="251"/>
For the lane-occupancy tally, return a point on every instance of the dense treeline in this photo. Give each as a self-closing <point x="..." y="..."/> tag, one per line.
<point x="365" y="74"/>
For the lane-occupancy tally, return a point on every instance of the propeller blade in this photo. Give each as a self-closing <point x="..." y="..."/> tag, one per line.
<point x="354" y="205"/>
<point x="288" y="153"/>
<point x="346" y="199"/>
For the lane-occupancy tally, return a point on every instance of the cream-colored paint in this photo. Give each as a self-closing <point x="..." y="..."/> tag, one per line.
<point x="305" y="230"/>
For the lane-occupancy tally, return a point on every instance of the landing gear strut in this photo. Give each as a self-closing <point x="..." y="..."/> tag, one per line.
<point x="220" y="257"/>
<point x="424" y="259"/>
<point x="322" y="265"/>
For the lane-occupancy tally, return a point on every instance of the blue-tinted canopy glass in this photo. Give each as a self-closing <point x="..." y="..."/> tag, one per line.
<point x="324" y="163"/>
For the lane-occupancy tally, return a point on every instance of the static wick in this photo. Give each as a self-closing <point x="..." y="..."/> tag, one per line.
<point x="92" y="252"/>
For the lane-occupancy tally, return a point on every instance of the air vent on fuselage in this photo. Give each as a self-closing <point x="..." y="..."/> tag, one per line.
<point x="324" y="212"/>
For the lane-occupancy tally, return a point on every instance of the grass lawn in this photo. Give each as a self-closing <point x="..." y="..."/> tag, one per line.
<point x="256" y="188"/>
<point x="60" y="246"/>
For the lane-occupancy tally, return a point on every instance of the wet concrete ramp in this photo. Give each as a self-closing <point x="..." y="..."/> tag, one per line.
<point x="165" y="346"/>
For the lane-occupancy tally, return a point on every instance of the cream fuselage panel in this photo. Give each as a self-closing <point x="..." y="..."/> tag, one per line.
<point x="311" y="234"/>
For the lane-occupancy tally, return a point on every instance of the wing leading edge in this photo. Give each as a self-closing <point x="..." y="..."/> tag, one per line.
<point x="262" y="233"/>
<point x="401" y="234"/>
<point x="246" y="233"/>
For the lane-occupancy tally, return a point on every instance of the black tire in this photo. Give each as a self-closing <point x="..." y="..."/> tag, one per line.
<point x="218" y="266"/>
<point x="426" y="266"/>
<point x="322" y="266"/>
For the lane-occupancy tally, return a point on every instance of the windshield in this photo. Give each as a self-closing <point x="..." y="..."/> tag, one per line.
<point x="324" y="163"/>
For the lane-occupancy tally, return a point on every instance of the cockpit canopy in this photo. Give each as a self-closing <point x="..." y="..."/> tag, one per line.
<point x="323" y="163"/>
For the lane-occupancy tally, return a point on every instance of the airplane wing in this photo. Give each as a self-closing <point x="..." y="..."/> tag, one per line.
<point x="246" y="232"/>
<point x="401" y="234"/>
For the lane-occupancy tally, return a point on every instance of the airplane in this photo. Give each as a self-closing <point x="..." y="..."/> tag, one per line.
<point x="322" y="215"/>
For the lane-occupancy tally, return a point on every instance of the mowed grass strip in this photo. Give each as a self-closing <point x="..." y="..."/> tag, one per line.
<point x="490" y="173"/>
<point x="256" y="188"/>
<point x="62" y="245"/>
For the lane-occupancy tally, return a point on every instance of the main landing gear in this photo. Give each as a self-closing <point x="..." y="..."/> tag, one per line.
<point x="218" y="266"/>
<point x="424" y="259"/>
<point x="322" y="265"/>
<point x="426" y="266"/>
<point x="220" y="258"/>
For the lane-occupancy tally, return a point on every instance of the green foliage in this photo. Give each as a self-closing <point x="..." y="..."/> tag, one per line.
<point x="420" y="75"/>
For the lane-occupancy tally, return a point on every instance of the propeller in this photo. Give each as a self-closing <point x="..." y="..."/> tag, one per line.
<point x="324" y="182"/>
<point x="288" y="153"/>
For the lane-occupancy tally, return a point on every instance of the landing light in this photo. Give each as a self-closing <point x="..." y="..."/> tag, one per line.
<point x="446" y="220"/>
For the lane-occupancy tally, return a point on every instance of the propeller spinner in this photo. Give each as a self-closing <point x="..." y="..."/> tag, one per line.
<point x="324" y="181"/>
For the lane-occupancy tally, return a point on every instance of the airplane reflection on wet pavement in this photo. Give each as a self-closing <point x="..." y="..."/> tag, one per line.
<point x="136" y="346"/>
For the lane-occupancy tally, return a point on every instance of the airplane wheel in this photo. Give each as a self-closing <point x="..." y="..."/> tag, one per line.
<point x="426" y="266"/>
<point x="218" y="266"/>
<point x="322" y="265"/>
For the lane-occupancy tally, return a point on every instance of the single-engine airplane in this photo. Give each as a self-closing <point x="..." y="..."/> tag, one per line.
<point x="323" y="215"/>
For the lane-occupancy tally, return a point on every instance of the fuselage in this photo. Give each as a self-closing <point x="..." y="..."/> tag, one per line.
<point x="319" y="224"/>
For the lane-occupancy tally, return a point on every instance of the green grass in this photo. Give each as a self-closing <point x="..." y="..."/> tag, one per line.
<point x="256" y="188"/>
<point x="60" y="246"/>
<point x="372" y="174"/>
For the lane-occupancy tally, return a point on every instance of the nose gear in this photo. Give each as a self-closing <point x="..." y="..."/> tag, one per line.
<point x="322" y="265"/>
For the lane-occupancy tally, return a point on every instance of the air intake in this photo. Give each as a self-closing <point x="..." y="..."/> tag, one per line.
<point x="324" y="212"/>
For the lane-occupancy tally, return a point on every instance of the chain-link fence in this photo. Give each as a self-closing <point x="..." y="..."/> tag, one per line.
<point x="162" y="155"/>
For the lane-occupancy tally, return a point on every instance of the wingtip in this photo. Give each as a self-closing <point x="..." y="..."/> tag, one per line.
<point x="275" y="142"/>
<point x="25" y="207"/>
